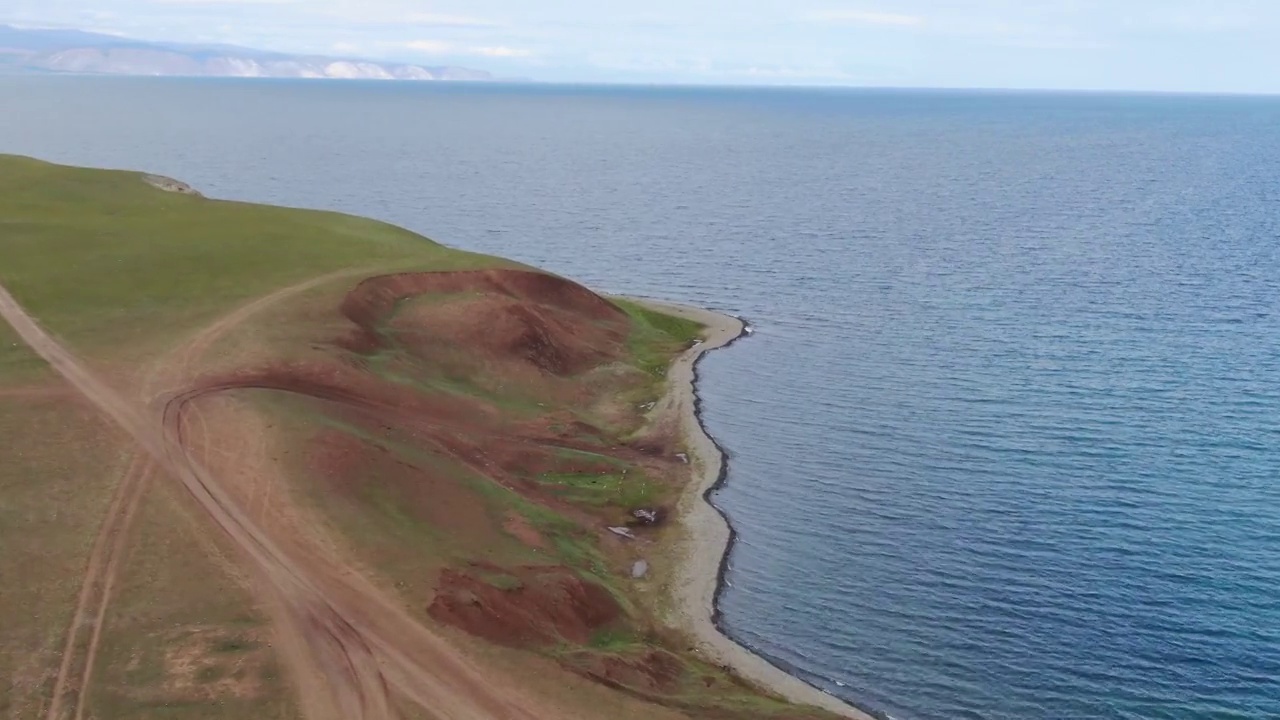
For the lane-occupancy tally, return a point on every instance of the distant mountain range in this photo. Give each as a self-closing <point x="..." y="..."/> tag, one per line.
<point x="74" y="51"/>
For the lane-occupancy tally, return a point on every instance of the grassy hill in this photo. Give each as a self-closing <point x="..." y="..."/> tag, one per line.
<point x="387" y="476"/>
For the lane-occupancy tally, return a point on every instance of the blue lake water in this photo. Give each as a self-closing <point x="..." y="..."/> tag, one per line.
<point x="1007" y="442"/>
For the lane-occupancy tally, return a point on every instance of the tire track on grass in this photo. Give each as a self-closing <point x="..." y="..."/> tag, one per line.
<point x="113" y="535"/>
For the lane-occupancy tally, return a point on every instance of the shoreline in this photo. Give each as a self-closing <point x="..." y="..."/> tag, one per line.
<point x="706" y="535"/>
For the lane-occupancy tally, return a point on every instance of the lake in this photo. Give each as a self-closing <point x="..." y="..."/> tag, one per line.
<point x="1006" y="442"/>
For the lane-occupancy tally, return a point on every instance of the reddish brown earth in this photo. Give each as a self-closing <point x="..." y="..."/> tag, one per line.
<point x="349" y="466"/>
<point x="517" y="526"/>
<point x="550" y="323"/>
<point x="648" y="673"/>
<point x="375" y="299"/>
<point x="525" y="606"/>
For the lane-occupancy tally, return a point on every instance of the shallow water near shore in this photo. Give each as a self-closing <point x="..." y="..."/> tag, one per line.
<point x="1004" y="444"/>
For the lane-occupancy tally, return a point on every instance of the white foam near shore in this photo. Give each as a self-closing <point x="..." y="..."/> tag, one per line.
<point x="704" y="533"/>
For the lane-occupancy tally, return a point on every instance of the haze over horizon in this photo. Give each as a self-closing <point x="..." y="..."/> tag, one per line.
<point x="1146" y="45"/>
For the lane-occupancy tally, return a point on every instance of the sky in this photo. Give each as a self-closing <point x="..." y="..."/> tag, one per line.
<point x="1158" y="45"/>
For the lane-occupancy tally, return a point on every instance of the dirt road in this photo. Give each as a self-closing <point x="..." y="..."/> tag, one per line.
<point x="75" y="672"/>
<point x="360" y="645"/>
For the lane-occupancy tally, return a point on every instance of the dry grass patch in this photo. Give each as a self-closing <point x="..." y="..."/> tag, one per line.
<point x="183" y="636"/>
<point x="58" y="466"/>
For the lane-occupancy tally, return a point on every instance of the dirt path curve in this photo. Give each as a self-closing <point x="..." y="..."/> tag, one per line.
<point x="75" y="673"/>
<point x="362" y="642"/>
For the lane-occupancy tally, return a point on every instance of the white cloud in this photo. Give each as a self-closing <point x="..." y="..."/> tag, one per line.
<point x="372" y="13"/>
<point x="501" y="51"/>
<point x="1191" y="21"/>
<point x="1032" y="36"/>
<point x="789" y="73"/>
<point x="865" y="17"/>
<point x="431" y="47"/>
<point x="441" y="20"/>
<point x="444" y="47"/>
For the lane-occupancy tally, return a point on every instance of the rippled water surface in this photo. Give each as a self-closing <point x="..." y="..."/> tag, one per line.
<point x="1005" y="444"/>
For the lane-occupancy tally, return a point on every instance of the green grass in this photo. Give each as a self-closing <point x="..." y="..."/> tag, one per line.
<point x="104" y="259"/>
<point x="625" y="490"/>
<point x="385" y="508"/>
<point x="397" y="365"/>
<point x="500" y="580"/>
<point x="572" y="454"/>
<point x="681" y="329"/>
<point x="613" y="639"/>
<point x="654" y="340"/>
<point x="656" y="336"/>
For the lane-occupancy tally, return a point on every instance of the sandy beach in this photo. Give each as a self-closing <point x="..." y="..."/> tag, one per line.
<point x="704" y="533"/>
